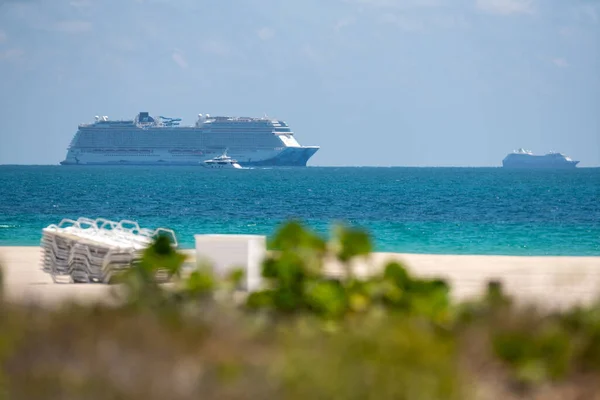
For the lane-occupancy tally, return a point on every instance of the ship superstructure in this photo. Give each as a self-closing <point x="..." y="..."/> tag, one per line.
<point x="146" y="140"/>
<point x="522" y="158"/>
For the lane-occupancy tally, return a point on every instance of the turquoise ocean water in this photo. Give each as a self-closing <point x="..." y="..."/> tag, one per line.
<point x="415" y="210"/>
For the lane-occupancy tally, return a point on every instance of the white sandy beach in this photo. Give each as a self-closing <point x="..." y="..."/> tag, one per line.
<point x="546" y="281"/>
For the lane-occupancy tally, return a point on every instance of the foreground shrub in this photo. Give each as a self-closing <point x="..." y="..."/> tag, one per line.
<point x="99" y="353"/>
<point x="306" y="334"/>
<point x="531" y="350"/>
<point x="370" y="357"/>
<point x="296" y="282"/>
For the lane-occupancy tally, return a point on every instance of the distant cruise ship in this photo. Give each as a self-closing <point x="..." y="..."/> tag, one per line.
<point x="526" y="159"/>
<point x="146" y="140"/>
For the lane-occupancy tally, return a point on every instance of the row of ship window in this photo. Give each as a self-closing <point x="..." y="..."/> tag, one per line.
<point x="173" y="144"/>
<point x="175" y="151"/>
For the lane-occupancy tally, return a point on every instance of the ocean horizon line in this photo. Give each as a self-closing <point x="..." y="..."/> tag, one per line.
<point x="297" y="167"/>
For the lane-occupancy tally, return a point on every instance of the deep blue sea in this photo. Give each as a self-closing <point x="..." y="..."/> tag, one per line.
<point x="414" y="210"/>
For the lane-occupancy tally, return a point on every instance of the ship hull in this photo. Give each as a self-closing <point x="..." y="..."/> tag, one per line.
<point x="539" y="166"/>
<point x="528" y="164"/>
<point x="287" y="157"/>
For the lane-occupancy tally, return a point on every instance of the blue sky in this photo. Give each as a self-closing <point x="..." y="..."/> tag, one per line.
<point x="373" y="82"/>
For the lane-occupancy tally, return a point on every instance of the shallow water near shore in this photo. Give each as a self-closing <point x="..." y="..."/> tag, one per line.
<point x="410" y="210"/>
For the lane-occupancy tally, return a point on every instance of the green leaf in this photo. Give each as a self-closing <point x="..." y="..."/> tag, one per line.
<point x="326" y="298"/>
<point x="396" y="272"/>
<point x="235" y="277"/>
<point x="162" y="245"/>
<point x="513" y="347"/>
<point x="261" y="299"/>
<point x="293" y="236"/>
<point x="199" y="282"/>
<point x="353" y="242"/>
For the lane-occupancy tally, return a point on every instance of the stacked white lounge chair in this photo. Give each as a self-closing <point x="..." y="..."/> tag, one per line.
<point x="88" y="250"/>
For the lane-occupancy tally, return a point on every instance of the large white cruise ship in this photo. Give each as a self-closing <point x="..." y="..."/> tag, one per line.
<point x="146" y="140"/>
<point x="526" y="159"/>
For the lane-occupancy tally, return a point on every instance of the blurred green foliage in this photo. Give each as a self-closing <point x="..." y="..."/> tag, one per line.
<point x="305" y="334"/>
<point x="296" y="282"/>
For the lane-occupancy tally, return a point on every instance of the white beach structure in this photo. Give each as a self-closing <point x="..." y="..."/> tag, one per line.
<point x="225" y="253"/>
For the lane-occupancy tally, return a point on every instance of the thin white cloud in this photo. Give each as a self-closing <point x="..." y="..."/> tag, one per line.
<point x="3" y="37"/>
<point x="11" y="55"/>
<point x="592" y="12"/>
<point x="124" y="43"/>
<point x="448" y="22"/>
<point x="215" y="47"/>
<point x="72" y="26"/>
<point x="505" y="7"/>
<point x="405" y="4"/>
<point x="421" y="23"/>
<point x="408" y="24"/>
<point x="566" y="31"/>
<point x="343" y="23"/>
<point x="560" y="62"/>
<point x="80" y="3"/>
<point x="179" y="59"/>
<point x="415" y="15"/>
<point x="265" y="33"/>
<point x="585" y="12"/>
<point x="310" y="53"/>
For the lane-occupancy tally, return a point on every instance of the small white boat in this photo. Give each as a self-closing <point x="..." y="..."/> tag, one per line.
<point x="221" y="162"/>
